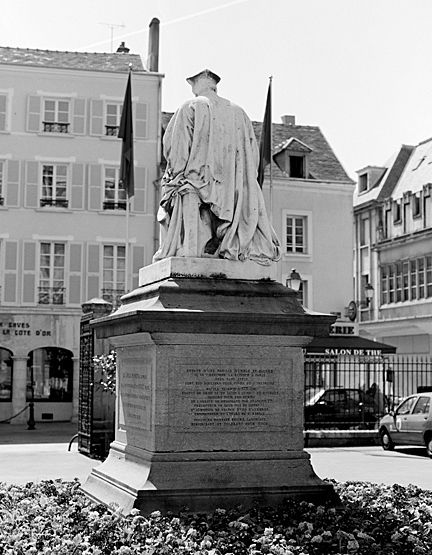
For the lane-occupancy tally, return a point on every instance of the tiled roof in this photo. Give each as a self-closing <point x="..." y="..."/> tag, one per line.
<point x="395" y="172"/>
<point x="323" y="164"/>
<point x="91" y="61"/>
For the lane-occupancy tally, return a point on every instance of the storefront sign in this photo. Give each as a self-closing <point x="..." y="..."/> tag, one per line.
<point x="21" y="328"/>
<point x="354" y="352"/>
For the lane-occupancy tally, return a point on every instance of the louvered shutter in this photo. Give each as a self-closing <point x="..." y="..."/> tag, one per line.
<point x="10" y="280"/>
<point x="29" y="273"/>
<point x="95" y="187"/>
<point x="34" y="114"/>
<point x="137" y="263"/>
<point x="93" y="271"/>
<point x="78" y="116"/>
<point x="12" y="183"/>
<point x="96" y="117"/>
<point x="31" y="185"/>
<point x="3" y="112"/>
<point x="77" y="187"/>
<point x="139" y="198"/>
<point x="75" y="274"/>
<point x="141" y="120"/>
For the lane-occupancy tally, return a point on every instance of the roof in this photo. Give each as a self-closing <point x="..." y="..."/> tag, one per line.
<point x="323" y="163"/>
<point x="90" y="61"/>
<point x="348" y="345"/>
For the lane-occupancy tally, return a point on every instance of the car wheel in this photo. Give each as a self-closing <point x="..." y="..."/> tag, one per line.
<point x="387" y="442"/>
<point x="429" y="447"/>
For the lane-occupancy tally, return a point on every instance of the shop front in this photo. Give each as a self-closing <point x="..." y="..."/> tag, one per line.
<point x="39" y="363"/>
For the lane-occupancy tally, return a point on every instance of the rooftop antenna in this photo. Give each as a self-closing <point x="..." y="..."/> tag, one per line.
<point x="112" y="26"/>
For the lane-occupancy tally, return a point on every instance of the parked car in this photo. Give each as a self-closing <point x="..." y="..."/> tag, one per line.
<point x="339" y="407"/>
<point x="409" y="424"/>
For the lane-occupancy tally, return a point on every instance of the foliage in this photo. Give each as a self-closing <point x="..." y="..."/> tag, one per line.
<point x="106" y="365"/>
<point x="56" y="518"/>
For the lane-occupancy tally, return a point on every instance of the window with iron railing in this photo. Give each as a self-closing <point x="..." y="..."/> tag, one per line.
<point x="52" y="273"/>
<point x="114" y="273"/>
<point x="115" y="197"/>
<point x="56" y="116"/>
<point x="54" y="185"/>
<point x="112" y="118"/>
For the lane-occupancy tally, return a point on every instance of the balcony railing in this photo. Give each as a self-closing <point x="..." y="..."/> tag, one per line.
<point x="112" y="296"/>
<point x="51" y="295"/>
<point x="55" y="127"/>
<point x="1" y="201"/>
<point x="114" y="205"/>
<point x="111" y="130"/>
<point x="60" y="202"/>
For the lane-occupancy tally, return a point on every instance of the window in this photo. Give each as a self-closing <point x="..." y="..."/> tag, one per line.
<point x="56" y="116"/>
<point x="114" y="273"/>
<point x="3" y="108"/>
<point x="416" y="206"/>
<point x="6" y="368"/>
<point x="297" y="166"/>
<point x="363" y="183"/>
<point x="54" y="185"/>
<point x="428" y="276"/>
<point x="391" y="284"/>
<point x="384" y="285"/>
<point x="302" y="294"/>
<point x="364" y="231"/>
<point x="398" y="282"/>
<point x="413" y="270"/>
<point x="52" y="273"/>
<point x="112" y="119"/>
<point x="421" y="278"/>
<point x="50" y="375"/>
<point x="1" y="182"/>
<point x="422" y="406"/>
<point x="406" y="406"/>
<point x="397" y="213"/>
<point x="405" y="281"/>
<point x="114" y="193"/>
<point x="296" y="234"/>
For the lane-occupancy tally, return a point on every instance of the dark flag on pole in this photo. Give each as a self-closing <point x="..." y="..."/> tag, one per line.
<point x="265" y="139"/>
<point x="126" y="133"/>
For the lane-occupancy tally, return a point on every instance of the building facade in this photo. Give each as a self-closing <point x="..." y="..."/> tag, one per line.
<point x="63" y="217"/>
<point x="393" y="253"/>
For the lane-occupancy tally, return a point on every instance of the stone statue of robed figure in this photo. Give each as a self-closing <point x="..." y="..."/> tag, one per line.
<point x="211" y="203"/>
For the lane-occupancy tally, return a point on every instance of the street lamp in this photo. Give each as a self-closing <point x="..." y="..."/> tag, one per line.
<point x="294" y="280"/>
<point x="369" y="293"/>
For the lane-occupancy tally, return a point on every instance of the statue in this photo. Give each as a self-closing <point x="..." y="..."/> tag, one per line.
<point x="211" y="203"/>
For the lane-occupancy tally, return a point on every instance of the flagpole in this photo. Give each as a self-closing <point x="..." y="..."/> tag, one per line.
<point x="271" y="150"/>
<point x="127" y="254"/>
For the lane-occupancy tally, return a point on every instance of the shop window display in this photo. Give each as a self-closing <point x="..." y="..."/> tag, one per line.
<point x="50" y="369"/>
<point x="6" y="365"/>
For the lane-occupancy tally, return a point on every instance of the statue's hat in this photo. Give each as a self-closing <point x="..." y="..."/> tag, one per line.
<point x="204" y="73"/>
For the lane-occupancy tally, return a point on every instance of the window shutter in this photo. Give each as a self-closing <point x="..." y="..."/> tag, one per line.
<point x="140" y="128"/>
<point x="34" y="114"/>
<point x="12" y="183"/>
<point x="139" y="198"/>
<point x="93" y="273"/>
<point x="95" y="187"/>
<point x="29" y="273"/>
<point x="77" y="187"/>
<point x="75" y="274"/>
<point x="78" y="116"/>
<point x="3" y="112"/>
<point x="10" y="293"/>
<point x="137" y="263"/>
<point x="31" y="184"/>
<point x="96" y="117"/>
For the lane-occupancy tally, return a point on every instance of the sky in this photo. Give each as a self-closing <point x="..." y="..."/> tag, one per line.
<point x="358" y="69"/>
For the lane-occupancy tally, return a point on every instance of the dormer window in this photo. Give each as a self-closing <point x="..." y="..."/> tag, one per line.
<point x="363" y="183"/>
<point x="416" y="206"/>
<point x="292" y="157"/>
<point x="397" y="212"/>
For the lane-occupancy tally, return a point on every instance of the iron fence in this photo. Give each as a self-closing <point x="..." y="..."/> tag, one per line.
<point x="345" y="391"/>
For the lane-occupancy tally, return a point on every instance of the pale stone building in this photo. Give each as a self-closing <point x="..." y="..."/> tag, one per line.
<point x="63" y="212"/>
<point x="393" y="253"/>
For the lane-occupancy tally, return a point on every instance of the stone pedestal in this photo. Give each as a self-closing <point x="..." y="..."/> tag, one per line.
<point x="210" y="390"/>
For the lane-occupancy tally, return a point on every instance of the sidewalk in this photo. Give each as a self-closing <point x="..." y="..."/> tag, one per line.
<point x="41" y="454"/>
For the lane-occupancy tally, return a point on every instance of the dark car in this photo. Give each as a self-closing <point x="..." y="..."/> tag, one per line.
<point x="339" y="407"/>
<point x="409" y="424"/>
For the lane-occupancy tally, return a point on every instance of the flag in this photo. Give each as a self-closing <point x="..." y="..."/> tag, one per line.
<point x="265" y="139"/>
<point x="126" y="134"/>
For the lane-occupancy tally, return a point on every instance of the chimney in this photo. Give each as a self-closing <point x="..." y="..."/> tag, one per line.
<point x="288" y="120"/>
<point x="153" y="45"/>
<point x="122" y="49"/>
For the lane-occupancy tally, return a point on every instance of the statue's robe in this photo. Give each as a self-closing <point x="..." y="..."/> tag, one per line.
<point x="211" y="150"/>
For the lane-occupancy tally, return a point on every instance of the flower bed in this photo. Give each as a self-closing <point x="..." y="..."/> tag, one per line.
<point x="55" y="518"/>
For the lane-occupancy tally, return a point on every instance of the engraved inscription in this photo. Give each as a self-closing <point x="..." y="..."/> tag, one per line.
<point x="214" y="398"/>
<point x="135" y="393"/>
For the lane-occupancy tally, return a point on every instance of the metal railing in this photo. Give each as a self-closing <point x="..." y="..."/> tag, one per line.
<point x="51" y="295"/>
<point x="55" y="127"/>
<point x="113" y="296"/>
<point x="47" y="201"/>
<point x="356" y="391"/>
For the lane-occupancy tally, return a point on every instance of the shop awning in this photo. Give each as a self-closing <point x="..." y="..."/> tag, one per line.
<point x="348" y="345"/>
